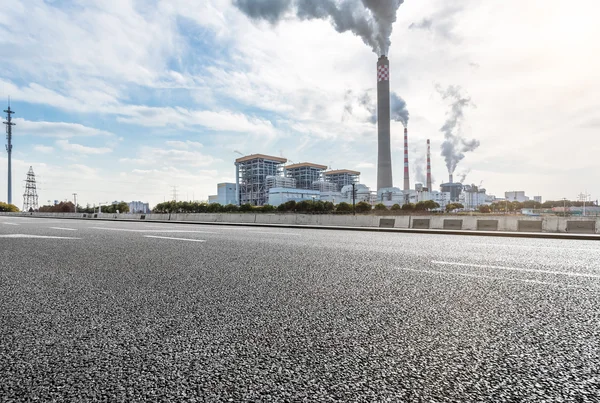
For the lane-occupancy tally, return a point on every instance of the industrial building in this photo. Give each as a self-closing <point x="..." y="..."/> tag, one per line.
<point x="280" y="182"/>
<point x="516" y="196"/>
<point x="279" y="196"/>
<point x="139" y="207"/>
<point x="225" y="194"/>
<point x="305" y="174"/>
<point x="342" y="177"/>
<point x="251" y="174"/>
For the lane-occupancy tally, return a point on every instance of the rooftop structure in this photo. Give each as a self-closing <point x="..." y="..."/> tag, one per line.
<point x="323" y="186"/>
<point x="305" y="174"/>
<point x="280" y="182"/>
<point x="342" y="177"/>
<point x="251" y="177"/>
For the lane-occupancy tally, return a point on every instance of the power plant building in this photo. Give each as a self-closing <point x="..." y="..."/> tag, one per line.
<point x="139" y="207"/>
<point x="342" y="177"/>
<point x="280" y="182"/>
<point x="279" y="196"/>
<point x="251" y="174"/>
<point x="225" y="194"/>
<point x="305" y="174"/>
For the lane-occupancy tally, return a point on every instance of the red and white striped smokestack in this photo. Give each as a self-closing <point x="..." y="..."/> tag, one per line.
<point x="406" y="178"/>
<point x="429" y="166"/>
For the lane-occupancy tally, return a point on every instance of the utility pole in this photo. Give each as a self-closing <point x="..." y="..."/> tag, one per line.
<point x="174" y="193"/>
<point x="9" y="147"/>
<point x="353" y="199"/>
<point x="75" y="200"/>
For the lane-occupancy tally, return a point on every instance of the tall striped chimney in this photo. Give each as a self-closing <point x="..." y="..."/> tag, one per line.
<point x="429" y="166"/>
<point x="406" y="177"/>
<point x="384" y="151"/>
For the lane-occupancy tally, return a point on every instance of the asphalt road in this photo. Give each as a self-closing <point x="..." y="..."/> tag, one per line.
<point x="114" y="311"/>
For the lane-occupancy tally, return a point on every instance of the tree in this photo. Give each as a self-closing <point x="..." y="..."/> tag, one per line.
<point x="421" y="206"/>
<point x="123" y="207"/>
<point x="408" y="207"/>
<point x="396" y="207"/>
<point x="328" y="206"/>
<point x="363" y="207"/>
<point x="8" y="208"/>
<point x="267" y="208"/>
<point x="230" y="208"/>
<point x="246" y="208"/>
<point x="215" y="208"/>
<point x="380" y="207"/>
<point x="305" y="206"/>
<point x="484" y="208"/>
<point x="343" y="207"/>
<point x="532" y="204"/>
<point x="431" y="205"/>
<point x="454" y="206"/>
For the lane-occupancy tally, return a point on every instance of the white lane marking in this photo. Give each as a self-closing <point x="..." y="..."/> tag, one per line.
<point x="35" y="236"/>
<point x="452" y="273"/>
<point x="9" y="223"/>
<point x="174" y="239"/>
<point x="486" y="266"/>
<point x="64" y="229"/>
<point x="559" y="249"/>
<point x="153" y="230"/>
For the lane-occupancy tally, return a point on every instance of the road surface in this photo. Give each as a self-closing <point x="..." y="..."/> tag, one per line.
<point x="117" y="311"/>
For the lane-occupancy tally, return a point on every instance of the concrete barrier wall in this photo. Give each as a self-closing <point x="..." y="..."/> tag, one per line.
<point x="505" y="223"/>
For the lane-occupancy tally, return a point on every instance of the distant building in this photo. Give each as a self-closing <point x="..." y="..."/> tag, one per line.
<point x="213" y="199"/>
<point x="226" y="193"/>
<point x="537" y="199"/>
<point x="454" y="188"/>
<point x="472" y="197"/>
<point x="279" y="196"/>
<point x="280" y="182"/>
<point x="516" y="196"/>
<point x="305" y="174"/>
<point x="138" y="207"/>
<point x="251" y="176"/>
<point x="342" y="177"/>
<point x="324" y="187"/>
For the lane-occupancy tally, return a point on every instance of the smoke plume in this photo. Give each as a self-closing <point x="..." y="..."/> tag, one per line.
<point x="463" y="175"/>
<point x="370" y="20"/>
<point x="455" y="146"/>
<point x="425" y="24"/>
<point x="399" y="113"/>
<point x="367" y="103"/>
<point x="419" y="162"/>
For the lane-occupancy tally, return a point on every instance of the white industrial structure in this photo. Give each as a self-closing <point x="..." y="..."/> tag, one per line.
<point x="516" y="196"/>
<point x="137" y="207"/>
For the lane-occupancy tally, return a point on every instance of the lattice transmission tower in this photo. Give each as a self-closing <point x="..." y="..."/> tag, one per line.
<point x="30" y="197"/>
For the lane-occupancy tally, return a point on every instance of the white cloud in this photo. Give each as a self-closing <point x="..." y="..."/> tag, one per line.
<point x="184" y="145"/>
<point x="181" y="117"/>
<point x="81" y="149"/>
<point x="60" y="130"/>
<point x="162" y="157"/>
<point x="43" y="149"/>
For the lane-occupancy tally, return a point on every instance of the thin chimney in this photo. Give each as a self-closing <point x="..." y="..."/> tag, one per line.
<point x="429" y="166"/>
<point x="406" y="177"/>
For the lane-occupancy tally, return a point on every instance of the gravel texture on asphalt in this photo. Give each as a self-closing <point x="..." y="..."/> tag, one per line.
<point x="273" y="315"/>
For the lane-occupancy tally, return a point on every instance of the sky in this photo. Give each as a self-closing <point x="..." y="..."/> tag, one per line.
<point x="133" y="99"/>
